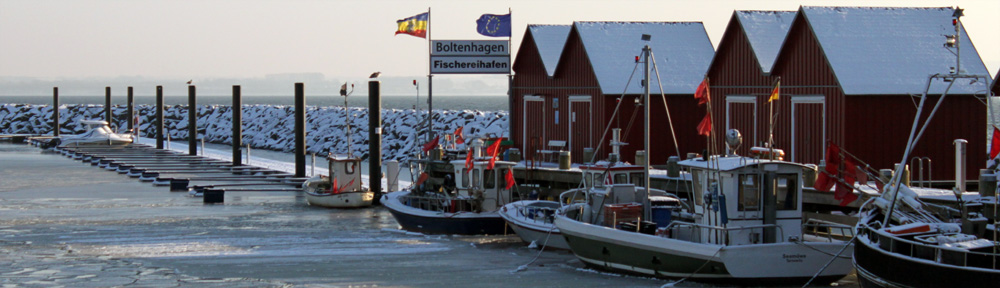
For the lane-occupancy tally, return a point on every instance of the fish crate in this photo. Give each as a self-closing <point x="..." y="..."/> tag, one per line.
<point x="624" y="212"/>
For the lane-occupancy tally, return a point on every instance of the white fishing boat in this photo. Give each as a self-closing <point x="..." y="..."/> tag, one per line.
<point x="343" y="189"/>
<point x="98" y="133"/>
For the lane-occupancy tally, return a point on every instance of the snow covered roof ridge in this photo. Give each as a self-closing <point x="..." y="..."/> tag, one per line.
<point x="766" y="32"/>
<point x="550" y="40"/>
<point x="682" y="52"/>
<point x="891" y="50"/>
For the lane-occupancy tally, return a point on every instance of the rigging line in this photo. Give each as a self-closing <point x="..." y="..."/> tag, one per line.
<point x="613" y="115"/>
<point x="659" y="82"/>
<point x="671" y="284"/>
<point x="831" y="260"/>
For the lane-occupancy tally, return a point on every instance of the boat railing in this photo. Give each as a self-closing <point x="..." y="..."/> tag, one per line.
<point x="537" y="214"/>
<point x="826" y="228"/>
<point x="946" y="256"/>
<point x="726" y="231"/>
<point x="437" y="202"/>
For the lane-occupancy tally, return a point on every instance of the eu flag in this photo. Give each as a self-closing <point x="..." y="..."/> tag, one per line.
<point x="494" y="25"/>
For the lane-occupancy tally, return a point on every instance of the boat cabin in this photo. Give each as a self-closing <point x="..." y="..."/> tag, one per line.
<point x="346" y="172"/>
<point x="600" y="174"/>
<point x="489" y="184"/>
<point x="740" y="200"/>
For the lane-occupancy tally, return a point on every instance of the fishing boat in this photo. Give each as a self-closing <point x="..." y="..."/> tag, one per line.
<point x="459" y="197"/>
<point x="98" y="133"/>
<point x="904" y="241"/>
<point x="532" y="219"/>
<point x="342" y="189"/>
<point x="743" y="224"/>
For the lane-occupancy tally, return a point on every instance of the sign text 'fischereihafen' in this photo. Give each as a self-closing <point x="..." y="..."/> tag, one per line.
<point x="470" y="57"/>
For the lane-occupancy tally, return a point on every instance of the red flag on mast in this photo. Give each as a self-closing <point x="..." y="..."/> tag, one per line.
<point x="433" y="143"/>
<point x="995" y="144"/>
<point x="458" y="135"/>
<point x="702" y="94"/>
<point x="705" y="127"/>
<point x="510" y="179"/>
<point x="493" y="150"/>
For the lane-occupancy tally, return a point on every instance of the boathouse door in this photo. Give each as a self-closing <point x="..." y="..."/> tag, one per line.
<point x="808" y="129"/>
<point x="741" y="114"/>
<point x="533" y="126"/>
<point x="580" y="126"/>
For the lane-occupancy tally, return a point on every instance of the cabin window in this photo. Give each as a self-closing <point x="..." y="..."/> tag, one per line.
<point x="698" y="186"/>
<point x="636" y="179"/>
<point x="475" y="178"/>
<point x="465" y="177"/>
<point x="349" y="168"/>
<point x="749" y="193"/>
<point x="490" y="179"/>
<point x="621" y="178"/>
<point x="786" y="192"/>
<point x="588" y="180"/>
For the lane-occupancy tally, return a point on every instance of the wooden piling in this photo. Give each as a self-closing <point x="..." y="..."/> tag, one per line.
<point x="237" y="126"/>
<point x="55" y="111"/>
<point x="300" y="130"/>
<point x="192" y="122"/>
<point x="130" y="111"/>
<point x="375" y="139"/>
<point x="107" y="105"/>
<point x="159" y="117"/>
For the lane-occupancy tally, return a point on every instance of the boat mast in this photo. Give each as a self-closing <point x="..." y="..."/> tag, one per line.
<point x="645" y="112"/>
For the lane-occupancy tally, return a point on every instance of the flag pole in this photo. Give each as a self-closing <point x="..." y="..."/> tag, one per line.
<point x="770" y="101"/>
<point x="430" y="84"/>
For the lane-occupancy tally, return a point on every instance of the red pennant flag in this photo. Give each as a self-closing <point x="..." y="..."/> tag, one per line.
<point x="995" y="144"/>
<point x="832" y="159"/>
<point x="823" y="182"/>
<point x="861" y="176"/>
<point x="493" y="150"/>
<point x="423" y="177"/>
<point x="510" y="178"/>
<point x="705" y="127"/>
<point x="432" y="144"/>
<point x="702" y="94"/>
<point x="468" y="160"/>
<point x="458" y="135"/>
<point x="845" y="189"/>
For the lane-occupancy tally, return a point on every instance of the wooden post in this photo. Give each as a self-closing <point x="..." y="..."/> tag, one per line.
<point x="300" y="130"/>
<point x="159" y="117"/>
<point x="107" y="105"/>
<point x="237" y="126"/>
<point x="130" y="112"/>
<point x="55" y="111"/>
<point x="192" y="122"/>
<point x="375" y="139"/>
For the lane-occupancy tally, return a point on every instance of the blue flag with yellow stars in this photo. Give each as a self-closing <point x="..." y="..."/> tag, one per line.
<point x="494" y="25"/>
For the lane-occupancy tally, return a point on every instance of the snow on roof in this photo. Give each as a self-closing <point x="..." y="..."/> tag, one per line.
<point x="682" y="51"/>
<point x="550" y="40"/>
<point x="766" y="31"/>
<point x="875" y="50"/>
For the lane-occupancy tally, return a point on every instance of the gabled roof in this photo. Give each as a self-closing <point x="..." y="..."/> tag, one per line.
<point x="766" y="31"/>
<point x="550" y="41"/>
<point x="874" y="50"/>
<point x="682" y="51"/>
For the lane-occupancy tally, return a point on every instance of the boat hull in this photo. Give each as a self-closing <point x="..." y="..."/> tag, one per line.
<point x="760" y="264"/>
<point x="879" y="268"/>
<point x="353" y="199"/>
<point x="432" y="222"/>
<point x="544" y="234"/>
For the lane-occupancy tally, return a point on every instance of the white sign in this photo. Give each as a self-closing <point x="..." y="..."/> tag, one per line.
<point x="470" y="47"/>
<point x="470" y="64"/>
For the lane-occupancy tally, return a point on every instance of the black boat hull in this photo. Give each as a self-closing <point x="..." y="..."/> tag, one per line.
<point x="449" y="223"/>
<point x="880" y="268"/>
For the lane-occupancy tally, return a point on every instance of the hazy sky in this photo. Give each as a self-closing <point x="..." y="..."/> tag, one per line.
<point x="341" y="39"/>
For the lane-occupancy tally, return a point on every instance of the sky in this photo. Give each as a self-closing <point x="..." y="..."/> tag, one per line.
<point x="344" y="39"/>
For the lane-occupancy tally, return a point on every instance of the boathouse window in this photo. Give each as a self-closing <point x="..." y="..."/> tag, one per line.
<point x="786" y="192"/>
<point x="489" y="179"/>
<point x="749" y="193"/>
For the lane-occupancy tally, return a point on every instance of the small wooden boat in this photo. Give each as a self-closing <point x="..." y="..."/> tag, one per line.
<point x="343" y="190"/>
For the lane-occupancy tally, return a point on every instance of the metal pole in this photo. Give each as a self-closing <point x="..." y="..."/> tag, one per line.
<point x="375" y="139"/>
<point x="300" y="130"/>
<point x="159" y="117"/>
<point x="645" y="139"/>
<point x="107" y="105"/>
<point x="55" y="111"/>
<point x="130" y="110"/>
<point x="192" y="122"/>
<point x="237" y="126"/>
<point x="430" y="106"/>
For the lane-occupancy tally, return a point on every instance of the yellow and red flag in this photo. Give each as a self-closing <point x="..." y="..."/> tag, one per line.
<point x="416" y="25"/>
